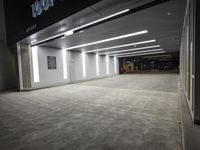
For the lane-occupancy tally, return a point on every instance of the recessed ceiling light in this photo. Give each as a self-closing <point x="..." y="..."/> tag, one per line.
<point x="108" y="40"/>
<point x="102" y="19"/>
<point x="128" y="50"/>
<point x="142" y="54"/>
<point x="70" y="32"/>
<point x="169" y="13"/>
<point x="120" y="46"/>
<point x="155" y="50"/>
<point x="157" y="56"/>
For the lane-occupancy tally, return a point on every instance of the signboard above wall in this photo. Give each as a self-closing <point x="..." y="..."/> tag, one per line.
<point x="26" y="17"/>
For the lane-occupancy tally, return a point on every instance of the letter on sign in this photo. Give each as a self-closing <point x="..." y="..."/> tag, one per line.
<point x="39" y="6"/>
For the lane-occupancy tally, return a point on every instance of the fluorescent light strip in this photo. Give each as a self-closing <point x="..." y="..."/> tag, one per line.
<point x="83" y="63"/>
<point x="102" y="19"/>
<point x="97" y="64"/>
<point x="109" y="39"/>
<point x="142" y="54"/>
<point x="120" y="46"/>
<point x="127" y="50"/>
<point x="64" y="55"/>
<point x="107" y="64"/>
<point x="36" y="76"/>
<point x="157" y="56"/>
<point x="139" y="52"/>
<point x="70" y="32"/>
<point x="115" y="64"/>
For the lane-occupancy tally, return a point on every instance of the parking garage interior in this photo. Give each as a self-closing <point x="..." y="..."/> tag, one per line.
<point x="100" y="75"/>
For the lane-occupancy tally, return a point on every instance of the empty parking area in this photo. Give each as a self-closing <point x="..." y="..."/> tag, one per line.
<point x="126" y="112"/>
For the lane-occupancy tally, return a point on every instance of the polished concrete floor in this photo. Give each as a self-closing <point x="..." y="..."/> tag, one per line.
<point x="127" y="112"/>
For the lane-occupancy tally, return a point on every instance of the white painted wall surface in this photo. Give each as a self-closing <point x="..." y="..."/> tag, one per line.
<point x="74" y="67"/>
<point x="111" y="66"/>
<point x="47" y="76"/>
<point x="102" y="66"/>
<point x="90" y="66"/>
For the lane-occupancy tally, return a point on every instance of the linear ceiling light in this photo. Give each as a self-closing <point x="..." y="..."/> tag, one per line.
<point x="158" y="56"/>
<point x="102" y="19"/>
<point x="108" y="40"/>
<point x="128" y="50"/>
<point x="68" y="33"/>
<point x="120" y="46"/>
<point x="142" y="54"/>
<point x="72" y="31"/>
<point x="139" y="52"/>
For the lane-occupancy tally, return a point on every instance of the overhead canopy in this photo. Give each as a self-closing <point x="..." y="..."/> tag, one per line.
<point x="26" y="17"/>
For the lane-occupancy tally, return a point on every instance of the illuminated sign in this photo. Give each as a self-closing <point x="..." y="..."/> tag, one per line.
<point x="27" y="17"/>
<point x="39" y="6"/>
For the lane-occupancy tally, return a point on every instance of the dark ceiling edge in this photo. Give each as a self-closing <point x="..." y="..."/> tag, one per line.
<point x="131" y="11"/>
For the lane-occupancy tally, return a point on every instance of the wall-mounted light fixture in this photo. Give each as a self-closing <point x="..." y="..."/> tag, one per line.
<point x="97" y="64"/>
<point x="64" y="55"/>
<point x="36" y="76"/>
<point x="107" y="64"/>
<point x="83" y="64"/>
<point x="115" y="64"/>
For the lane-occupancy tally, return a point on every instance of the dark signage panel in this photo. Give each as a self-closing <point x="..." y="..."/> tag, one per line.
<point x="51" y="61"/>
<point x="26" y="17"/>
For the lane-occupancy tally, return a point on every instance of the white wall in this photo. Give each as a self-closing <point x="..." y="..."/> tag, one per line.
<point x="102" y="66"/>
<point x="111" y="66"/>
<point x="74" y="65"/>
<point x="47" y="76"/>
<point x="90" y="66"/>
<point x="75" y="69"/>
<point x="7" y="63"/>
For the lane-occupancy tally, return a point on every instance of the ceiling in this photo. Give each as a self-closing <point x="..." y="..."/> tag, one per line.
<point x="163" y="22"/>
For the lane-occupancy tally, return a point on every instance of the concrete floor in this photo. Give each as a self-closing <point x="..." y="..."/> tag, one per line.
<point x="127" y="112"/>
